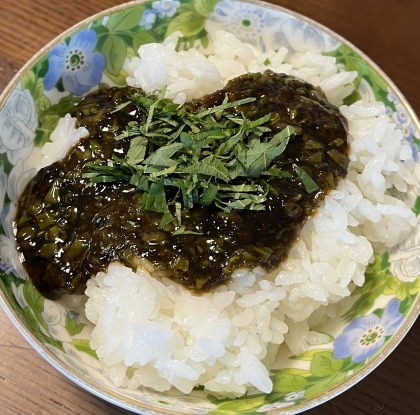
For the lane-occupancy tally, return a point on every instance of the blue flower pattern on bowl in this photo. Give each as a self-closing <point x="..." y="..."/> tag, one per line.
<point x="76" y="63"/>
<point x="268" y="29"/>
<point x="160" y="9"/>
<point x="246" y="22"/>
<point x="166" y="8"/>
<point x="148" y="19"/>
<point x="364" y="336"/>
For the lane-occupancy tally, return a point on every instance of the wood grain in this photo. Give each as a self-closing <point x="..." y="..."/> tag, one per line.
<point x="388" y="31"/>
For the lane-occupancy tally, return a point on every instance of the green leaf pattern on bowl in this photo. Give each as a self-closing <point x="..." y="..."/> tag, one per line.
<point x="31" y="113"/>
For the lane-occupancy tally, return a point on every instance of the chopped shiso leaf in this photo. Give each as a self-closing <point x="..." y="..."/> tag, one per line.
<point x="212" y="156"/>
<point x="308" y="182"/>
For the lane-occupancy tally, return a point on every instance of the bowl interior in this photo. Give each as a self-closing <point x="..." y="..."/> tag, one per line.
<point x="43" y="92"/>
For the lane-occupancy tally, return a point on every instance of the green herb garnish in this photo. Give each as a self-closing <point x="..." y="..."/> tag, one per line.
<point x="308" y="182"/>
<point x="210" y="157"/>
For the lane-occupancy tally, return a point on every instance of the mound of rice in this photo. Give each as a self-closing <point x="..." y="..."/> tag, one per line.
<point x="152" y="332"/>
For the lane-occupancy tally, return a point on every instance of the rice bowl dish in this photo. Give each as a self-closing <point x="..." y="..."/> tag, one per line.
<point x="227" y="339"/>
<point x="149" y="332"/>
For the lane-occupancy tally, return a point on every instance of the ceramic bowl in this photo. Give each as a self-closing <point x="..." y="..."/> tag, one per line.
<point x="45" y="89"/>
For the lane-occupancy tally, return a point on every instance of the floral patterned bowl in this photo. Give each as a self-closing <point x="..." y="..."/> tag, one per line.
<point x="373" y="320"/>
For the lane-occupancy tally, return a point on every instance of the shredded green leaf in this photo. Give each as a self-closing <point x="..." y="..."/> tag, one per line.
<point x="195" y="158"/>
<point x="120" y="107"/>
<point x="308" y="182"/>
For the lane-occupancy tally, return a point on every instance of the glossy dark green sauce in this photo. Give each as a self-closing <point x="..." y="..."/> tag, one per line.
<point x="69" y="229"/>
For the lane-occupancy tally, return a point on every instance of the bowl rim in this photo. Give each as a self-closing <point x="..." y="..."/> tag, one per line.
<point x="129" y="403"/>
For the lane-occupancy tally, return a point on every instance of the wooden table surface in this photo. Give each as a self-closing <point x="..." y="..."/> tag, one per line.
<point x="388" y="31"/>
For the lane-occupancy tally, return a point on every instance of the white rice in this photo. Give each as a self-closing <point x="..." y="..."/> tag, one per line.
<point x="62" y="139"/>
<point x="153" y="332"/>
